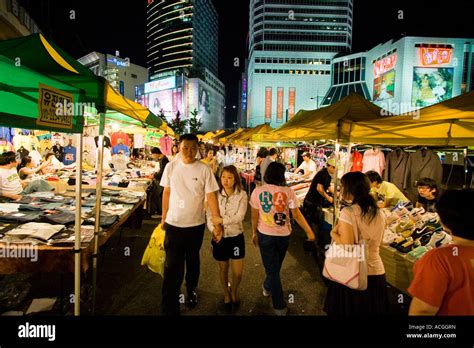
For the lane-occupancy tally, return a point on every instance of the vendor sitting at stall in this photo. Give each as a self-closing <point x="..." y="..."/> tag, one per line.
<point x="308" y="166"/>
<point x="428" y="194"/>
<point x="10" y="184"/>
<point x="27" y="169"/>
<point x="387" y="194"/>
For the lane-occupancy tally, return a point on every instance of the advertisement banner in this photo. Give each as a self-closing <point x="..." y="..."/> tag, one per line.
<point x="159" y="85"/>
<point x="385" y="64"/>
<point x="161" y="102"/>
<point x="291" y="103"/>
<point x="280" y="104"/>
<point x="384" y="86"/>
<point x="152" y="139"/>
<point x="268" y="104"/>
<point x="434" y="56"/>
<point x="204" y="106"/>
<point x="48" y="100"/>
<point x="431" y="85"/>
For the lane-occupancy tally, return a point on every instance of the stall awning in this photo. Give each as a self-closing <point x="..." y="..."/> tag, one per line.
<point x="43" y="56"/>
<point x="450" y="123"/>
<point x="332" y="122"/>
<point x="28" y="100"/>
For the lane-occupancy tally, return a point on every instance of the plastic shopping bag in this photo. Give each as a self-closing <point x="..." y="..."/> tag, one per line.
<point x="155" y="256"/>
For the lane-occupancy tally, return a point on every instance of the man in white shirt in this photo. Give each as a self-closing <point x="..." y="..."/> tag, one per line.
<point x="308" y="166"/>
<point x="187" y="183"/>
<point x="10" y="184"/>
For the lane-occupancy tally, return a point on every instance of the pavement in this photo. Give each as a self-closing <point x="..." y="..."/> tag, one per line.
<point x="125" y="288"/>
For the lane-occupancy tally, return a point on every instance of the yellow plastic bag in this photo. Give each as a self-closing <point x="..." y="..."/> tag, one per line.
<point x="154" y="256"/>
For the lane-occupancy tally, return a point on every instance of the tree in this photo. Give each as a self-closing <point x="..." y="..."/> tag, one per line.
<point x="194" y="123"/>
<point x="178" y="125"/>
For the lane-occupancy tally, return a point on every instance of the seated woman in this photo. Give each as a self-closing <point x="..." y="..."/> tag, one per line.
<point x="27" y="169"/>
<point x="428" y="194"/>
<point x="10" y="184"/>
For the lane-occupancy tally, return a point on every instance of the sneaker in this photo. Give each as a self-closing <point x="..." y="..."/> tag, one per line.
<point x="265" y="292"/>
<point x="191" y="301"/>
<point x="281" y="312"/>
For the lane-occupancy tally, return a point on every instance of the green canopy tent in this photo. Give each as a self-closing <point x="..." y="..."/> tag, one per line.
<point x="27" y="100"/>
<point x="43" y="56"/>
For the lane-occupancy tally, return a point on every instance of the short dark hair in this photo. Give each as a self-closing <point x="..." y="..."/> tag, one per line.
<point x="272" y="152"/>
<point x="213" y="151"/>
<point x="428" y="182"/>
<point x="189" y="137"/>
<point x="262" y="153"/>
<point x="455" y="209"/>
<point x="48" y="155"/>
<point x="275" y="174"/>
<point x="156" y="151"/>
<point x="7" y="158"/>
<point x="24" y="162"/>
<point x="374" y="176"/>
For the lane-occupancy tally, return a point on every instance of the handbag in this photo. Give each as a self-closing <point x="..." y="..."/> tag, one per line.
<point x="347" y="264"/>
<point x="155" y="256"/>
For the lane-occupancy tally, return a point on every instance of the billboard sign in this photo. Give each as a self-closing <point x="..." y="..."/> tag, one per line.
<point x="431" y="86"/>
<point x="384" y="86"/>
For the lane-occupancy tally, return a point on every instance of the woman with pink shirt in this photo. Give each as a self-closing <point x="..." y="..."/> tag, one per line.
<point x="271" y="205"/>
<point x="370" y="221"/>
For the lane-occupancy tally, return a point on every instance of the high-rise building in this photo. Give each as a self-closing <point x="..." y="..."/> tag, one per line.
<point x="292" y="43"/>
<point x="124" y="76"/>
<point x="181" y="34"/>
<point x="15" y="21"/>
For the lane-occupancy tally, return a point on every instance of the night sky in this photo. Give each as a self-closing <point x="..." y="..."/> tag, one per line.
<point x="106" y="26"/>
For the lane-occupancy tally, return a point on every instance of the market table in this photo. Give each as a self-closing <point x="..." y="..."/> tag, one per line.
<point x="398" y="268"/>
<point x="58" y="259"/>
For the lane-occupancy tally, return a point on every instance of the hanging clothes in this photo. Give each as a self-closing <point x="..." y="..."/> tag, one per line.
<point x="373" y="159"/>
<point x="22" y="152"/>
<point x="395" y="168"/>
<point x="58" y="151"/>
<point x="138" y="141"/>
<point x="69" y="155"/>
<point x="57" y="138"/>
<point x="5" y="146"/>
<point x="424" y="163"/>
<point x="107" y="142"/>
<point x="35" y="157"/>
<point x="6" y="134"/>
<point x="166" y="143"/>
<point x="357" y="165"/>
<point x="120" y="135"/>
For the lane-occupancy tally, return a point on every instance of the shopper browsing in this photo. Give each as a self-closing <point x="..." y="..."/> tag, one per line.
<point x="370" y="222"/>
<point x="387" y="194"/>
<point x="428" y="194"/>
<point x="10" y="184"/>
<point x="308" y="166"/>
<point x="211" y="160"/>
<point x="230" y="251"/>
<point x="443" y="279"/>
<point x="271" y="205"/>
<point x="27" y="169"/>
<point x="271" y="157"/>
<point x="187" y="183"/>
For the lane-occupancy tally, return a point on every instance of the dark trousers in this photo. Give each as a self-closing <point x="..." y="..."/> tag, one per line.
<point x="182" y="246"/>
<point x="273" y="250"/>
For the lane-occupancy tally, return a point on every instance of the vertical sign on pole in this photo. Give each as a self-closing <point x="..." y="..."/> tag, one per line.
<point x="280" y="105"/>
<point x="291" y="103"/>
<point x="268" y="104"/>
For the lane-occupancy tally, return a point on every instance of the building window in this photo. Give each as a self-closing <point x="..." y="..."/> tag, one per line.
<point x="134" y="76"/>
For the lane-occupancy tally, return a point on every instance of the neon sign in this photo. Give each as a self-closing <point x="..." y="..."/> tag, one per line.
<point x="385" y="64"/>
<point x="435" y="56"/>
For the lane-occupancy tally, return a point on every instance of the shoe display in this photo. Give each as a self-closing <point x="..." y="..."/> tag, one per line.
<point x="406" y="247"/>
<point x="439" y="239"/>
<point x="425" y="239"/>
<point x="418" y="252"/>
<point x="398" y="241"/>
<point x="191" y="301"/>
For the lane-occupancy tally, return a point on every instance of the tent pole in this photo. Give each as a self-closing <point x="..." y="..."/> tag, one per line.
<point x="336" y="198"/>
<point x="77" y="229"/>
<point x="465" y="167"/>
<point x="98" y="196"/>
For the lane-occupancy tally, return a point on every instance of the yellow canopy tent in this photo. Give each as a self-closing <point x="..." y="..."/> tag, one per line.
<point x="246" y="136"/>
<point x="232" y="136"/>
<point x="450" y="123"/>
<point x="332" y="122"/>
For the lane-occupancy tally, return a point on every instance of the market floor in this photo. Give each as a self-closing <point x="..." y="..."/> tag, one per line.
<point x="125" y="288"/>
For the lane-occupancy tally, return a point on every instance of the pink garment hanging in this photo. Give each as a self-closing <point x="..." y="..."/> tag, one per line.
<point x="166" y="144"/>
<point x="374" y="159"/>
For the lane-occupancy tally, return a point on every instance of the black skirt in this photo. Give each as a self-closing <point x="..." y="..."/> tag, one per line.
<point x="342" y="301"/>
